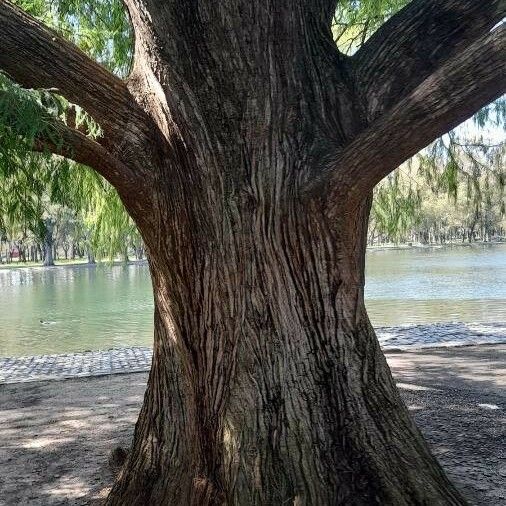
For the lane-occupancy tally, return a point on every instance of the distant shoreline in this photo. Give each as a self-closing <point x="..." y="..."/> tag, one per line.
<point x="76" y="263"/>
<point x="417" y="245"/>
<point x="376" y="247"/>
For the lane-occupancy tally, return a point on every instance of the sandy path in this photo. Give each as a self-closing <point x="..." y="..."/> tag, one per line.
<point x="55" y="437"/>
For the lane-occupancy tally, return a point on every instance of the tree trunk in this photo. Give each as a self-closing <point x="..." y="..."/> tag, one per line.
<point x="245" y="145"/>
<point x="91" y="256"/>
<point x="48" y="244"/>
<point x="268" y="385"/>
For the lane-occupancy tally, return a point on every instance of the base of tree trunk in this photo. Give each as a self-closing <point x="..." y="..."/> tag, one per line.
<point x="321" y="432"/>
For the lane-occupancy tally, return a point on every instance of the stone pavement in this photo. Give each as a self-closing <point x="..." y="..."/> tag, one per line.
<point x="135" y="359"/>
<point x="74" y="365"/>
<point x="446" y="334"/>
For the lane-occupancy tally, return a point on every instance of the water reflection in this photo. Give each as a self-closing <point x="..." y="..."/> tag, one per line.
<point x="100" y="307"/>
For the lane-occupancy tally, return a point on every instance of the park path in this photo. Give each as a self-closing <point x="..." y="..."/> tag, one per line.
<point x="56" y="436"/>
<point x="138" y="358"/>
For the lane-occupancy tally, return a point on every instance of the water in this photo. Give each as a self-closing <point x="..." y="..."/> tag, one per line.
<point x="82" y="308"/>
<point x="88" y="308"/>
<point x="459" y="283"/>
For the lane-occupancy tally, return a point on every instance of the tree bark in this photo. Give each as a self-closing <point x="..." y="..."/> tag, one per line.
<point x="48" y="243"/>
<point x="268" y="385"/>
<point x="250" y="157"/>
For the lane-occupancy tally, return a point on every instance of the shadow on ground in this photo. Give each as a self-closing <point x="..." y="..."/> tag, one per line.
<point x="56" y="437"/>
<point x="457" y="399"/>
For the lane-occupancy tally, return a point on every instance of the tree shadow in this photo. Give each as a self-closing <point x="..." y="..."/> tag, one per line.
<point x="456" y="397"/>
<point x="56" y="436"/>
<point x="54" y="449"/>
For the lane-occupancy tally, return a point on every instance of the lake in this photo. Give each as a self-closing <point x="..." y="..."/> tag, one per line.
<point x="66" y="309"/>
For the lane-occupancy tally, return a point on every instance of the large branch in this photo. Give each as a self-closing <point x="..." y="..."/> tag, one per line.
<point x="414" y="43"/>
<point x="62" y="139"/>
<point x="37" y="57"/>
<point x="442" y="101"/>
<point x="72" y="144"/>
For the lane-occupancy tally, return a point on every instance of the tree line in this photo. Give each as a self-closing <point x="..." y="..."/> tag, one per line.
<point x="448" y="193"/>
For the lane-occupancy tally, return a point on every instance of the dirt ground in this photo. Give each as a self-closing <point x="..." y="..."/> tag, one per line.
<point x="56" y="437"/>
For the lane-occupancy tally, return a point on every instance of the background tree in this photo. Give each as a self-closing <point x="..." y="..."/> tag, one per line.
<point x="245" y="146"/>
<point x="448" y="193"/>
<point x="45" y="195"/>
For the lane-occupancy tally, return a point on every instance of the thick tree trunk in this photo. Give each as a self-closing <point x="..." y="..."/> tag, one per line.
<point x="268" y="385"/>
<point x="244" y="146"/>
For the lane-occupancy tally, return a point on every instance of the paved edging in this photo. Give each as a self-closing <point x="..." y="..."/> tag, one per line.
<point x="138" y="358"/>
<point x="75" y="365"/>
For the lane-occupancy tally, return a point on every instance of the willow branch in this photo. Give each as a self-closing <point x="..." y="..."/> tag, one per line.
<point x="53" y="135"/>
<point x="75" y="145"/>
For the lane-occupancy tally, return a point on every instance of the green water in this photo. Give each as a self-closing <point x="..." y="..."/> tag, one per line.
<point x="88" y="308"/>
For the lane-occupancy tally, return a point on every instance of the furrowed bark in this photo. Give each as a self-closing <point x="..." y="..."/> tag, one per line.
<point x="455" y="92"/>
<point x="268" y="385"/>
<point x="415" y="43"/>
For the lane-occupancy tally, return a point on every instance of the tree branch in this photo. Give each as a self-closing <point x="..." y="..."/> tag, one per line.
<point x="442" y="101"/>
<point x="414" y="43"/>
<point x="37" y="57"/>
<point x="62" y="139"/>
<point x="82" y="149"/>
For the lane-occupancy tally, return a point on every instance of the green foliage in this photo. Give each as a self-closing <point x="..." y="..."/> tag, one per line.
<point x="22" y="198"/>
<point x="24" y="116"/>
<point x="54" y="190"/>
<point x="99" y="27"/>
<point x="494" y="113"/>
<point x="27" y="116"/>
<point x="356" y="20"/>
<point x="112" y="230"/>
<point x="446" y="189"/>
<point x="395" y="207"/>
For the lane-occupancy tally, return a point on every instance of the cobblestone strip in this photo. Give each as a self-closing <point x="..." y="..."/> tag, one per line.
<point x="405" y="337"/>
<point x="74" y="365"/>
<point x="133" y="359"/>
